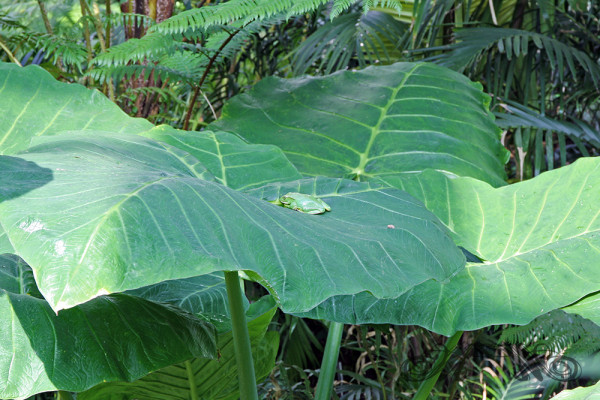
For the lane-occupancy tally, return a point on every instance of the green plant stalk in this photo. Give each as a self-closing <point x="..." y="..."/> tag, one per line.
<point x="48" y="29"/>
<point x="241" y="339"/>
<point x="10" y="55"/>
<point x="330" y="358"/>
<point x="108" y="33"/>
<point x="63" y="395"/>
<point x="86" y="29"/>
<point x="188" y="115"/>
<point x="428" y="384"/>
<point x="373" y="362"/>
<point x="45" y="17"/>
<point x="190" y="374"/>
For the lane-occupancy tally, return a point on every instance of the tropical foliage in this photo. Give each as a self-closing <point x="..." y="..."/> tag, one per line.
<point x="124" y="244"/>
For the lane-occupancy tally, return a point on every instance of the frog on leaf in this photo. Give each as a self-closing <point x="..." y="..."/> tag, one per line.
<point x="305" y="203"/>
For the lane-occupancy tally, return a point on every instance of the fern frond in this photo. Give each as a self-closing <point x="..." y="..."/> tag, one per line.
<point x="166" y="95"/>
<point x="177" y="67"/>
<point x="150" y="46"/>
<point x="472" y="42"/>
<point x="242" y="36"/>
<point x="393" y="4"/>
<point x="9" y="24"/>
<point x="200" y="19"/>
<point x="556" y="332"/>
<point x="305" y="6"/>
<point x="68" y="51"/>
<point x="339" y="6"/>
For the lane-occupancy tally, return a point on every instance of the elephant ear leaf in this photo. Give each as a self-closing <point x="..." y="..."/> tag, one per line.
<point x="5" y="245"/>
<point x="135" y="207"/>
<point x="211" y="379"/>
<point x="580" y="393"/>
<point x="234" y="162"/>
<point x="380" y="121"/>
<point x="74" y="110"/>
<point x="110" y="338"/>
<point x="34" y="104"/>
<point x="204" y="296"/>
<point x="537" y="241"/>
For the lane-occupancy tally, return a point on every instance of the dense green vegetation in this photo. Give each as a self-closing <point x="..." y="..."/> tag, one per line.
<point x="145" y="147"/>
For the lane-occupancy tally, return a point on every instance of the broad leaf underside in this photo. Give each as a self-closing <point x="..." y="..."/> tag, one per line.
<point x="116" y="337"/>
<point x="376" y="122"/>
<point x="212" y="379"/>
<point x="204" y="296"/>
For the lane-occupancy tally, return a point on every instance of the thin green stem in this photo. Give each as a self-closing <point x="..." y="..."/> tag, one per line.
<point x="63" y="395"/>
<point x="330" y="358"/>
<point x="191" y="380"/>
<point x="108" y="33"/>
<point x="8" y="52"/>
<point x="86" y="30"/>
<point x="427" y="385"/>
<point x="241" y="339"/>
<point x="367" y="347"/>
<point x="48" y="28"/>
<point x="45" y="17"/>
<point x="188" y="115"/>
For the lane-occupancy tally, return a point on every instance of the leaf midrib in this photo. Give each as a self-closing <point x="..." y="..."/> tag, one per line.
<point x="364" y="156"/>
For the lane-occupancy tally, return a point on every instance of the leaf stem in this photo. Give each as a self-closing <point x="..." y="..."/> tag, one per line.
<point x="45" y="17"/>
<point x="192" y="382"/>
<point x="63" y="395"/>
<point x="241" y="339"/>
<point x="427" y="385"/>
<point x="374" y="362"/>
<point x="330" y="358"/>
<point x="86" y="30"/>
<point x="186" y="122"/>
<point x="10" y="55"/>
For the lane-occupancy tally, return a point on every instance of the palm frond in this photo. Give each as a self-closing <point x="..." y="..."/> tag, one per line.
<point x="356" y="38"/>
<point x="519" y="116"/>
<point x="471" y="43"/>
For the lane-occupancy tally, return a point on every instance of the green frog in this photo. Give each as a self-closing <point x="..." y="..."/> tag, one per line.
<point x="305" y="203"/>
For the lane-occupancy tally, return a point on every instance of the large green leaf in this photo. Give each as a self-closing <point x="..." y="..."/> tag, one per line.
<point x="234" y="162"/>
<point x="33" y="103"/>
<point x="379" y="121"/>
<point x="112" y="338"/>
<point x="581" y="393"/>
<point x="588" y="307"/>
<point x="28" y="113"/>
<point x="204" y="296"/>
<point x="539" y="241"/>
<point x="124" y="212"/>
<point x="17" y="277"/>
<point x="5" y="246"/>
<point x="211" y="379"/>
